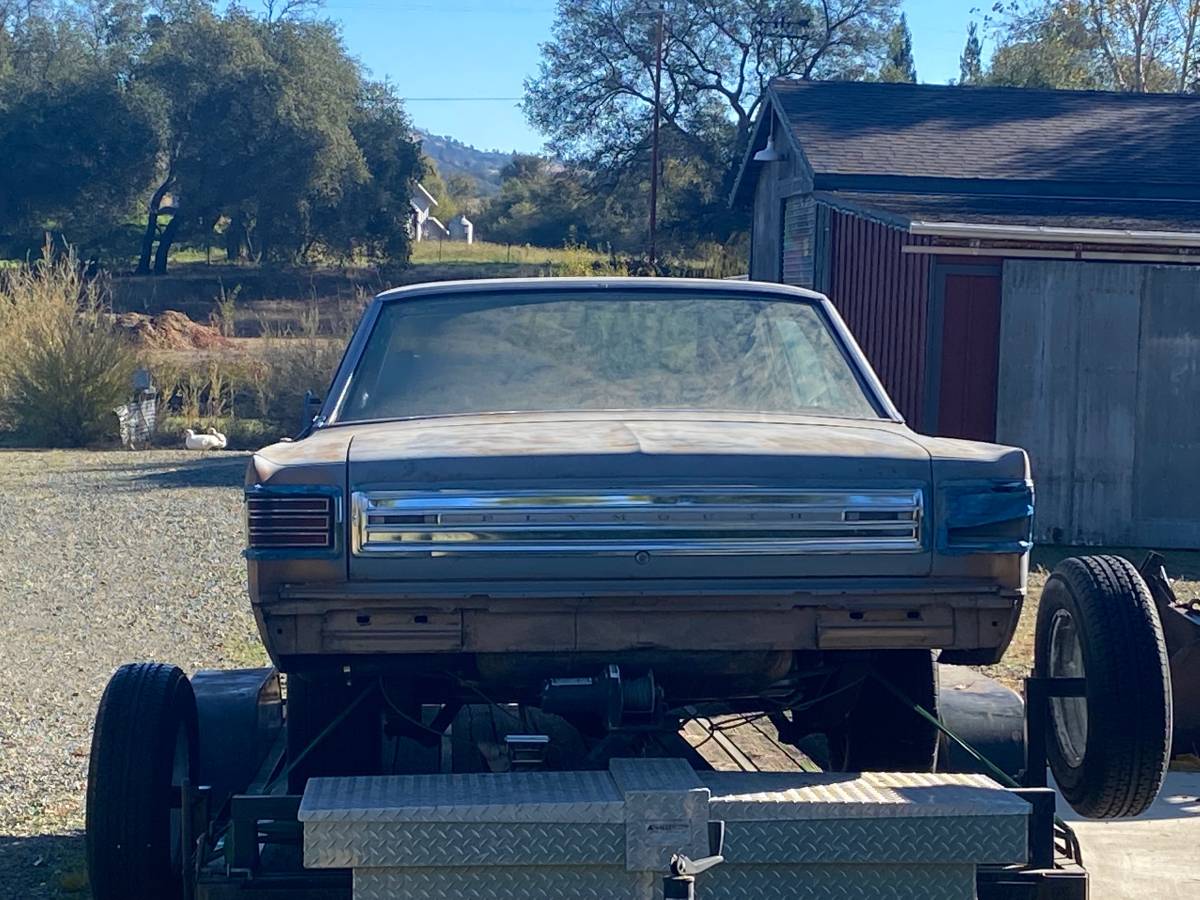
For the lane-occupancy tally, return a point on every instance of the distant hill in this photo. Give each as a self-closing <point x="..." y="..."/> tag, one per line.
<point x="456" y="158"/>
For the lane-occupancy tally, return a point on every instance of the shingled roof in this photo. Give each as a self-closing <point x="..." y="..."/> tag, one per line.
<point x="904" y="210"/>
<point x="848" y="130"/>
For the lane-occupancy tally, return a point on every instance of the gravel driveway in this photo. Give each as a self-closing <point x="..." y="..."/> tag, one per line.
<point x="111" y="557"/>
<point x="104" y="558"/>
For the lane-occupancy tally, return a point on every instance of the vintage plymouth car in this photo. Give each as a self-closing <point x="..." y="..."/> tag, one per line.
<point x="549" y="524"/>
<point x="515" y="486"/>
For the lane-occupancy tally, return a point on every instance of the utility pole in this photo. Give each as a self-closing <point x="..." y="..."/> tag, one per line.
<point x="658" y="54"/>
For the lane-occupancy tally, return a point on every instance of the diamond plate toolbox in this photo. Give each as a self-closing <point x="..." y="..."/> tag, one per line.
<point x="871" y="818"/>
<point x="611" y="834"/>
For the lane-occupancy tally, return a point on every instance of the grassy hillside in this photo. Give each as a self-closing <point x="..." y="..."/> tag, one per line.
<point x="456" y="158"/>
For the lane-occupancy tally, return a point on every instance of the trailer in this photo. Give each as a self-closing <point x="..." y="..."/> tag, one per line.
<point x="679" y="826"/>
<point x="720" y="809"/>
<point x="197" y="791"/>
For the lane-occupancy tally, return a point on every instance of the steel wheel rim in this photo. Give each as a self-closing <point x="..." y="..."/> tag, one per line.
<point x="1068" y="714"/>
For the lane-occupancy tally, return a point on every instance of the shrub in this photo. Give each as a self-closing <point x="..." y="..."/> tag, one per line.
<point x="578" y="259"/>
<point x="298" y="361"/>
<point x="253" y="396"/>
<point x="65" y="367"/>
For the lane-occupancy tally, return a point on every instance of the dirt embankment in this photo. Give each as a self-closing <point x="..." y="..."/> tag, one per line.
<point x="169" y="330"/>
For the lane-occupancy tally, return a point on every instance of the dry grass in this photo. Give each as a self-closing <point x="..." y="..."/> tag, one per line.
<point x="427" y="252"/>
<point x="1182" y="566"/>
<point x="252" y="389"/>
<point x="64" y="366"/>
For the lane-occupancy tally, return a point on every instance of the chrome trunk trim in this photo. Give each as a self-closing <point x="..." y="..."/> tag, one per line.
<point x="684" y="521"/>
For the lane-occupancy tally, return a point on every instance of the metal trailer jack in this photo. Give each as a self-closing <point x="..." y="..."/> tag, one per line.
<point x="680" y="882"/>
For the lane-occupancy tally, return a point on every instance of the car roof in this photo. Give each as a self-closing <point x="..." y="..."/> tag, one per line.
<point x="511" y="285"/>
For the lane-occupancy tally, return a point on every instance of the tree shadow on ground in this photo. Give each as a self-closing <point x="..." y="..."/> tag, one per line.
<point x="206" y="471"/>
<point x="35" y="867"/>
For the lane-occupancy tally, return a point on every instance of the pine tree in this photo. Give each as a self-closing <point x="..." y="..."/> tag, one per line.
<point x="970" y="64"/>
<point x="899" y="66"/>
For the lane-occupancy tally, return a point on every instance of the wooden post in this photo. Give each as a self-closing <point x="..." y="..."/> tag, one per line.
<point x="658" y="52"/>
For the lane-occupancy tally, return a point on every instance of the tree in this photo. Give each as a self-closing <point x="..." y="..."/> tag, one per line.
<point x="593" y="92"/>
<point x="899" y="65"/>
<point x="1125" y="45"/>
<point x="370" y="215"/>
<point x="76" y="141"/>
<point x="1186" y="14"/>
<point x="970" y="64"/>
<point x="539" y="203"/>
<point x="75" y="158"/>
<point x="432" y="181"/>
<point x="258" y="131"/>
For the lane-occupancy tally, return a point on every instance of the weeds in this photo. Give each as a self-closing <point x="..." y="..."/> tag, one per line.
<point x="295" y="362"/>
<point x="225" y="315"/>
<point x="65" y="367"/>
<point x="579" y="259"/>
<point x="257" y="396"/>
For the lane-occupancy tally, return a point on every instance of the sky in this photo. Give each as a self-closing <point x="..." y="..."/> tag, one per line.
<point x="485" y="49"/>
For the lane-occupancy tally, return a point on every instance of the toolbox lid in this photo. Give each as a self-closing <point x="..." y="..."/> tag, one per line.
<point x="759" y="796"/>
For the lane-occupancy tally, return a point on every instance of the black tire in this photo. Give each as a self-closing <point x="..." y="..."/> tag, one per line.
<point x="883" y="734"/>
<point x="145" y="741"/>
<point x="1108" y="751"/>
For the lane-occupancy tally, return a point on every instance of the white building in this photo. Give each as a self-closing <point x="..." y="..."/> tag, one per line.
<point x="462" y="229"/>
<point x="424" y="225"/>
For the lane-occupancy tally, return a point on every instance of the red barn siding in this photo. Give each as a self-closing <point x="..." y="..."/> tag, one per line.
<point x="883" y="294"/>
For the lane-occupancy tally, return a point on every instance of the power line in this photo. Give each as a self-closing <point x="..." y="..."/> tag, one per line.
<point x="459" y="99"/>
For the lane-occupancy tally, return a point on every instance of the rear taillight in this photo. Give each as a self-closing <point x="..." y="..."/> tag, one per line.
<point x="985" y="516"/>
<point x="290" y="521"/>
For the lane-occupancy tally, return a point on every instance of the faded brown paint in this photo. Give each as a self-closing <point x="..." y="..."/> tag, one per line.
<point x="800" y="620"/>
<point x="669" y="432"/>
<point x="664" y="434"/>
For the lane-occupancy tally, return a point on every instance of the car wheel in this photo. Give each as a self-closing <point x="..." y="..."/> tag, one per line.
<point x="143" y="745"/>
<point x="1109" y="750"/>
<point x="882" y="733"/>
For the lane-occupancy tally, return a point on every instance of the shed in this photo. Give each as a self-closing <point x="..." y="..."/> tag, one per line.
<point x="461" y="229"/>
<point x="423" y="224"/>
<point x="1020" y="266"/>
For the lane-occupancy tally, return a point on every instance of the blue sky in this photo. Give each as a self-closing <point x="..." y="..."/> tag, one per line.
<point x="486" y="48"/>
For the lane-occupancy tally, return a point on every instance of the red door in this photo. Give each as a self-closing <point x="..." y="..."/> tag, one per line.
<point x="970" y="355"/>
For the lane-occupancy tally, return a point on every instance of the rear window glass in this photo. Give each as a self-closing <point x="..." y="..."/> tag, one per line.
<point x="519" y="352"/>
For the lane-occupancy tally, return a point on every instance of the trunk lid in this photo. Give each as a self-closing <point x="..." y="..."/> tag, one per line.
<point x="587" y="497"/>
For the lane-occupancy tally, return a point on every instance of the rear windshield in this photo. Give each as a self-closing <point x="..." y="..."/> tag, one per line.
<point x="523" y="352"/>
